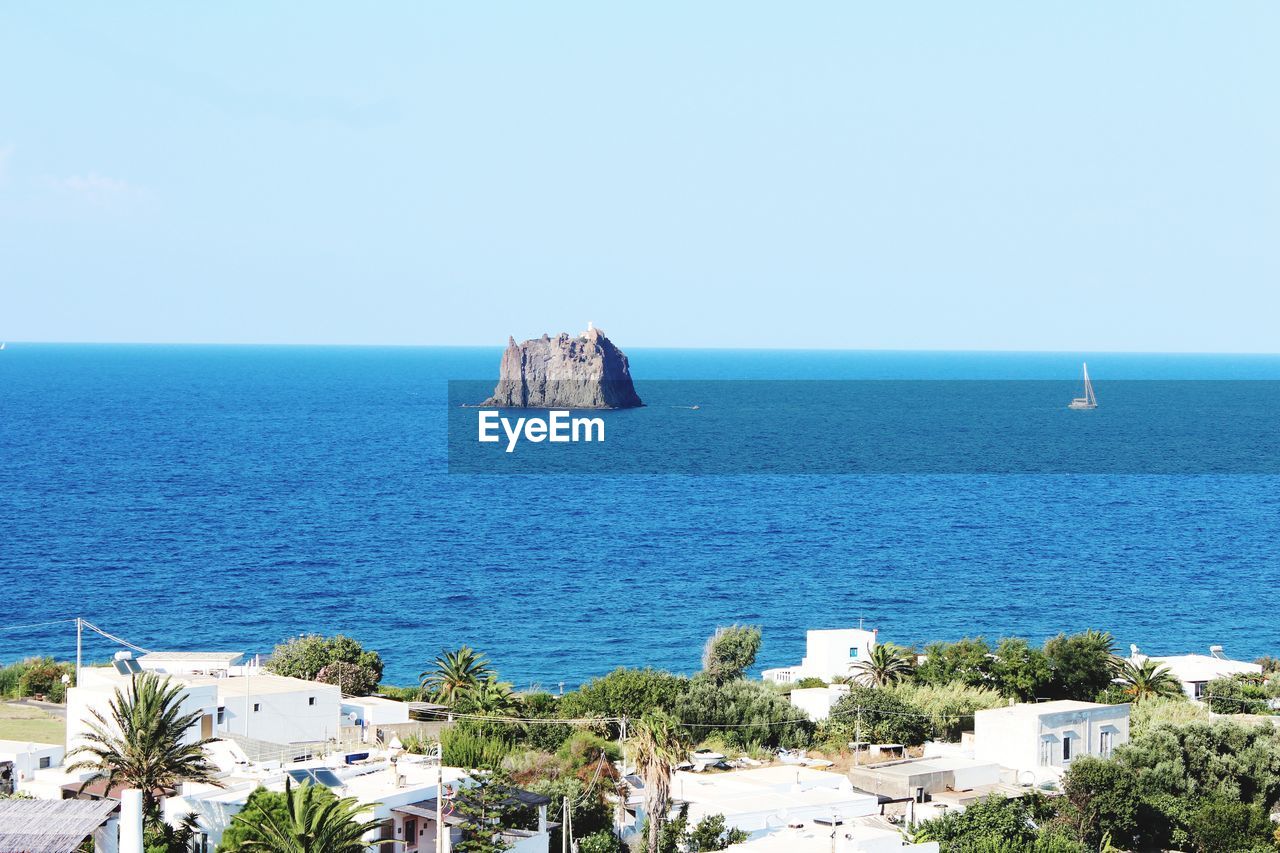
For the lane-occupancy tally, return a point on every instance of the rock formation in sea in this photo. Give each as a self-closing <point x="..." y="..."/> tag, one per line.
<point x="565" y="372"/>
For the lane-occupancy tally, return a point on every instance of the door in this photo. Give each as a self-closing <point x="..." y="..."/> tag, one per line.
<point x="206" y="727"/>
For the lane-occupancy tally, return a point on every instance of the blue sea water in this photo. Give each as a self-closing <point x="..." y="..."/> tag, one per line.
<point x="228" y="497"/>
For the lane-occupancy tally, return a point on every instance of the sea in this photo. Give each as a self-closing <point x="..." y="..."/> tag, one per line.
<point x="229" y="497"/>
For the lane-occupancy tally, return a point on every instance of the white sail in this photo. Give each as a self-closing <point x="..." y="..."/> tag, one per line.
<point x="1088" y="401"/>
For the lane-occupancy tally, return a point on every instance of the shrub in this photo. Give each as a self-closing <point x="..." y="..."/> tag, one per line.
<point x="743" y="713"/>
<point x="471" y="746"/>
<point x="950" y="707"/>
<point x="967" y="661"/>
<point x="625" y="693"/>
<point x="1162" y="711"/>
<point x="886" y="717"/>
<point x="603" y="841"/>
<point x="306" y="655"/>
<point x="36" y="676"/>
<point x="730" y="652"/>
<point x="1236" y="696"/>
<point x="1081" y="664"/>
<point x="807" y="682"/>
<point x="352" y="678"/>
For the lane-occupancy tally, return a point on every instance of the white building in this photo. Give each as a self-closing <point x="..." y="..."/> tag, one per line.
<point x="828" y="655"/>
<point x="861" y="835"/>
<point x="766" y="798"/>
<point x="20" y="759"/>
<point x="264" y="707"/>
<point x="191" y="663"/>
<point x="817" y="702"/>
<point x="400" y="795"/>
<point x="1194" y="672"/>
<point x="1038" y="741"/>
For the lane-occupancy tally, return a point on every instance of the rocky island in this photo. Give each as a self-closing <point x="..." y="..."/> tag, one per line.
<point x="565" y="372"/>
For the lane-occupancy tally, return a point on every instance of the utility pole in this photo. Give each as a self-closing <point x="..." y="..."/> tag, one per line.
<point x="79" y="641"/>
<point x="440" y="803"/>
<point x="565" y="828"/>
<point x="857" y="738"/>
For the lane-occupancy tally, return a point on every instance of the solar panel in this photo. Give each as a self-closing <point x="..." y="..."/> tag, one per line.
<point x="327" y="778"/>
<point x="302" y="777"/>
<point x="127" y="666"/>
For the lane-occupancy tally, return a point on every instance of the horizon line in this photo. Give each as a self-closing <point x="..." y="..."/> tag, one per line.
<point x="968" y="350"/>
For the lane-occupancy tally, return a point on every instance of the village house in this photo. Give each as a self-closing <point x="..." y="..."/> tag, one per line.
<point x="1194" y="672"/>
<point x="829" y="654"/>
<point x="1037" y="742"/>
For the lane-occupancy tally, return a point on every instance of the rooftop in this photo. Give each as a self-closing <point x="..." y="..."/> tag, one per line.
<point x="1058" y="706"/>
<point x="195" y="657"/>
<point x="1205" y="667"/>
<point x="50" y="826"/>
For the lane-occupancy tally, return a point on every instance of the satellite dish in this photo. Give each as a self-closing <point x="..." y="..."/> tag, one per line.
<point x="353" y="717"/>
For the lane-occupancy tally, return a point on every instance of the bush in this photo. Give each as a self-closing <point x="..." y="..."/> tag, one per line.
<point x="1164" y="711"/>
<point x="1081" y="664"/>
<point x="990" y="821"/>
<point x="744" y="713"/>
<point x="35" y="676"/>
<point x="968" y="662"/>
<point x="807" y="682"/>
<point x="625" y="693"/>
<point x="603" y="841"/>
<point x="585" y="749"/>
<point x="950" y="707"/>
<point x="305" y="656"/>
<point x="1236" y="696"/>
<point x="352" y="678"/>
<point x="886" y="717"/>
<point x="472" y="746"/>
<point x="261" y="805"/>
<point x="730" y="653"/>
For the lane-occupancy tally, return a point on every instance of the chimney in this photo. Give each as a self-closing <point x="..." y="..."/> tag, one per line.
<point x="131" y="821"/>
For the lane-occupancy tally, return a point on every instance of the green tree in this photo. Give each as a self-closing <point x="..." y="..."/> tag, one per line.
<point x="730" y="652"/>
<point x="488" y="696"/>
<point x="624" y="692"/>
<point x="352" y="679"/>
<point x="1081" y="664"/>
<point x="305" y="655"/>
<point x="313" y="821"/>
<point x="142" y="742"/>
<point x="261" y="806"/>
<point x="991" y="819"/>
<point x="967" y="661"/>
<point x="1219" y="825"/>
<point x="1146" y="680"/>
<point x="488" y="810"/>
<point x="1020" y="671"/>
<point x="659" y="744"/>
<point x="887" y="664"/>
<point x="1235" y="695"/>
<point x="475" y="745"/>
<point x="746" y="713"/>
<point x="603" y="841"/>
<point x="1102" y="800"/>
<point x="711" y="835"/>
<point x="949" y="707"/>
<point x="455" y="673"/>
<point x="880" y="716"/>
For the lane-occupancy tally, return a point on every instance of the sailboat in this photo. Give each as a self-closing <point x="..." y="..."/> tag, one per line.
<point x="1088" y="401"/>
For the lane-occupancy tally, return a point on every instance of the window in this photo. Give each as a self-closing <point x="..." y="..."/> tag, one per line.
<point x="222" y="713"/>
<point x="256" y="707"/>
<point x="1105" y="738"/>
<point x="1199" y="689"/>
<point x="1066" y="747"/>
<point x="45" y="763"/>
<point x="853" y="653"/>
<point x="1046" y="752"/>
<point x="311" y="700"/>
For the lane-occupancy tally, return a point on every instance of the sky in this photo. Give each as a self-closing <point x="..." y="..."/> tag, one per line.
<point x="1063" y="176"/>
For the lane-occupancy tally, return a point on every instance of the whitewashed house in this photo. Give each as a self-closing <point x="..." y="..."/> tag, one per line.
<point x="817" y="702"/>
<point x="1038" y="741"/>
<point x="20" y="759"/>
<point x="828" y="654"/>
<point x="1194" y="672"/>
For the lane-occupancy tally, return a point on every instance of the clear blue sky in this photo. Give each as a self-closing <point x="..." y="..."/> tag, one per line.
<point x="1074" y="176"/>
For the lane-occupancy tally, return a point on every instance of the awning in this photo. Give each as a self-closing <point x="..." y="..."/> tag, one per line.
<point x="50" y="826"/>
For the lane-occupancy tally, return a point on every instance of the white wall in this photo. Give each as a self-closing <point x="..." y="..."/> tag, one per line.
<point x="1013" y="737"/>
<point x="817" y="702"/>
<point x="99" y="692"/>
<point x="282" y="717"/>
<point x="832" y="653"/>
<point x="26" y="757"/>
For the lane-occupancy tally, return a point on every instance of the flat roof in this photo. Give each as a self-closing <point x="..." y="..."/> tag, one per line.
<point x="198" y="657"/>
<point x="23" y="746"/>
<point x="1205" y="667"/>
<point x="915" y="766"/>
<point x="1058" y="706"/>
<point x="257" y="685"/>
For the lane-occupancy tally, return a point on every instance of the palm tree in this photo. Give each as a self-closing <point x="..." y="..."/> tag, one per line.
<point x="1139" y="681"/>
<point x="886" y="665"/>
<point x="143" y="745"/>
<point x="315" y="821"/>
<point x="491" y="697"/>
<point x="454" y="673"/>
<point x="660" y="745"/>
